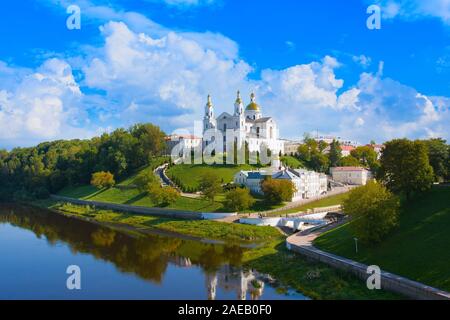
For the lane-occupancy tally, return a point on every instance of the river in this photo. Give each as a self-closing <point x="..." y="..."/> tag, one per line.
<point x="37" y="246"/>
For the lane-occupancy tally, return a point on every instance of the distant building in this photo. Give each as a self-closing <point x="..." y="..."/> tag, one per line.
<point x="291" y="147"/>
<point x="378" y="148"/>
<point x="182" y="142"/>
<point x="307" y="183"/>
<point x="351" y="175"/>
<point x="346" y="150"/>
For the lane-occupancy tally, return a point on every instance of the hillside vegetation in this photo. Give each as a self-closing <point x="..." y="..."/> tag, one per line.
<point x="418" y="249"/>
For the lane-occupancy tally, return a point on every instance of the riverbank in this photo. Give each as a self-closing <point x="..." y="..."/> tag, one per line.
<point x="315" y="280"/>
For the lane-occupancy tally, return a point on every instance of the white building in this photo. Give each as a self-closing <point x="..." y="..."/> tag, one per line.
<point x="182" y="142"/>
<point x="351" y="175"/>
<point x="247" y="125"/>
<point x="307" y="183"/>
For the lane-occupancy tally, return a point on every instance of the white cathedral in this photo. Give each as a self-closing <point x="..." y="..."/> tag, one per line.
<point x="248" y="125"/>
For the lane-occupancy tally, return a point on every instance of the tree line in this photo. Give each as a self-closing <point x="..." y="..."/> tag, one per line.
<point x="35" y="172"/>
<point x="321" y="156"/>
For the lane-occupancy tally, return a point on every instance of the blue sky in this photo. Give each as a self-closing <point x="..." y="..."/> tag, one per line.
<point x="314" y="65"/>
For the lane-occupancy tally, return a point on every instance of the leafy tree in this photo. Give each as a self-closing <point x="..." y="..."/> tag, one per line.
<point x="319" y="162"/>
<point x="405" y="167"/>
<point x="438" y="153"/>
<point x="367" y="157"/>
<point x="374" y="211"/>
<point x="239" y="199"/>
<point x="277" y="191"/>
<point x="335" y="153"/>
<point x="349" y="161"/>
<point x="163" y="196"/>
<point x="102" y="180"/>
<point x="210" y="185"/>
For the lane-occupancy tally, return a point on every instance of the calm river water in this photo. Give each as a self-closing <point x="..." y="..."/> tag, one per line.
<point x="37" y="246"/>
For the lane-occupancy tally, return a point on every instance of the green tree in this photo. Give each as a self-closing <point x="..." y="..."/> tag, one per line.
<point x="367" y="157"/>
<point x="335" y="153"/>
<point x="102" y="180"/>
<point x="162" y="196"/>
<point x="374" y="211"/>
<point x="349" y="161"/>
<point x="277" y="191"/>
<point x="210" y="185"/>
<point x="438" y="153"/>
<point x="319" y="162"/>
<point x="239" y="199"/>
<point x="405" y="167"/>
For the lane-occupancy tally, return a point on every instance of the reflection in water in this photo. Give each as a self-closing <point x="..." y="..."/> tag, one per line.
<point x="147" y="256"/>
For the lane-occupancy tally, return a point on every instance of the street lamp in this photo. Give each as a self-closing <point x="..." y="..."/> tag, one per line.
<point x="356" y="244"/>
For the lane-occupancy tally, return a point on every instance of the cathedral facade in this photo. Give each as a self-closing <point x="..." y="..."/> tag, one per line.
<point x="247" y="124"/>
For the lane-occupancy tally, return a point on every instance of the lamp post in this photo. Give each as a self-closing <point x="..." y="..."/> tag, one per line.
<point x="356" y="244"/>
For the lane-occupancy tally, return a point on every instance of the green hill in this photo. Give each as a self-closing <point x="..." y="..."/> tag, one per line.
<point x="418" y="249"/>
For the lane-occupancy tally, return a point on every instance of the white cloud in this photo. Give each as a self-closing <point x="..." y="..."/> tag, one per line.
<point x="415" y="9"/>
<point x="362" y="60"/>
<point x="44" y="104"/>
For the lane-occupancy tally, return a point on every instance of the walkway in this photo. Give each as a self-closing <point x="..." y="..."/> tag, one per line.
<point x="302" y="243"/>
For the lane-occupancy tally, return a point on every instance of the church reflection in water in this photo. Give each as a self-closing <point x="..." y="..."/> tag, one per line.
<point x="230" y="278"/>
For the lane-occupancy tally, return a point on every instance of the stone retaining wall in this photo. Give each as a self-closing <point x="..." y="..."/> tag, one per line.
<point x="171" y="213"/>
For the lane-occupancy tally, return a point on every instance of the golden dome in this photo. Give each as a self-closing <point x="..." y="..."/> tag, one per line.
<point x="253" y="106"/>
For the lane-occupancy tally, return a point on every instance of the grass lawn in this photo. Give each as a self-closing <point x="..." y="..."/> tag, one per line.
<point x="292" y="162"/>
<point x="187" y="176"/>
<point x="135" y="198"/>
<point x="418" y="249"/>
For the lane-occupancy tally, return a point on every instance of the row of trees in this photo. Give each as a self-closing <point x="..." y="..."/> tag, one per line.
<point x="51" y="166"/>
<point x="320" y="156"/>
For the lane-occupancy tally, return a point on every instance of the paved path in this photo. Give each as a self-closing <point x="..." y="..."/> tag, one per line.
<point x="160" y="172"/>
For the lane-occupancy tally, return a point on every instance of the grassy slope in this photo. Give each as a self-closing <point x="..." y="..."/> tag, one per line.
<point x="418" y="249"/>
<point x="189" y="175"/>
<point x="315" y="280"/>
<point x="123" y="194"/>
<point x="134" y="197"/>
<point x="292" y="162"/>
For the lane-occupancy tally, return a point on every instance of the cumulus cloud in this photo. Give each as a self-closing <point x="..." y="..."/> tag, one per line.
<point x="168" y="76"/>
<point x="44" y="104"/>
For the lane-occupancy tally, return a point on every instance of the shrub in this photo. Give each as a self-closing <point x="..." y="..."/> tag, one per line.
<point x="103" y="179"/>
<point x="239" y="199"/>
<point x="277" y="191"/>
